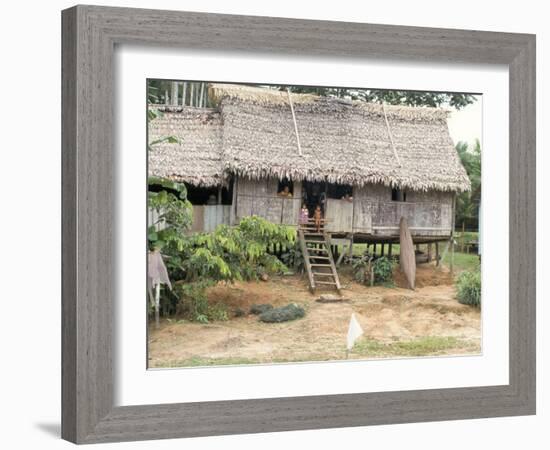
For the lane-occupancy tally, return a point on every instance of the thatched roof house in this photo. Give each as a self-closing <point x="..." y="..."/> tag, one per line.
<point x="253" y="134"/>
<point x="395" y="161"/>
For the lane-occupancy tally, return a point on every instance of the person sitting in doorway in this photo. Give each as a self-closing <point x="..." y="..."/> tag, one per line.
<point x="285" y="192"/>
<point x="318" y="217"/>
<point x="347" y="197"/>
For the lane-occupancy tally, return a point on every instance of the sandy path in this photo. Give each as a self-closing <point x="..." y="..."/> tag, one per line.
<point x="386" y="315"/>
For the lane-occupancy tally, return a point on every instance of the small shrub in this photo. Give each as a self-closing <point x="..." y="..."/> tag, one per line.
<point x="293" y="257"/>
<point x="283" y="314"/>
<point x="383" y="269"/>
<point x="217" y="312"/>
<point x="261" y="308"/>
<point x="362" y="269"/>
<point x="469" y="288"/>
<point x="193" y="303"/>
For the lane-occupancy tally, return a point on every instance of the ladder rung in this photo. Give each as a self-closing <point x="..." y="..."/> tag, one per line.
<point x="320" y="265"/>
<point x="326" y="282"/>
<point x="319" y="257"/>
<point x="321" y="274"/>
<point x="317" y="249"/>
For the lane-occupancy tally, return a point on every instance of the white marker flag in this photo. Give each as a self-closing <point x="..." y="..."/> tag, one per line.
<point x="354" y="331"/>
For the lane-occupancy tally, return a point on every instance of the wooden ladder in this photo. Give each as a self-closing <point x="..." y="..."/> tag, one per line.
<point x="318" y="260"/>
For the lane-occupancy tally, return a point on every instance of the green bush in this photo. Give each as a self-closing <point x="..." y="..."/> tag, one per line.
<point x="362" y="269"/>
<point x="292" y="257"/>
<point x="383" y="269"/>
<point x="236" y="253"/>
<point x="226" y="254"/>
<point x="193" y="303"/>
<point x="283" y="314"/>
<point x="469" y="288"/>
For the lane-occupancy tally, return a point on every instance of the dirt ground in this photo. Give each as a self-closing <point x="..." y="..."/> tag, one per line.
<point x="397" y="322"/>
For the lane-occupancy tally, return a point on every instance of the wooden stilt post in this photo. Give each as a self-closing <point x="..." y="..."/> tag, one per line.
<point x="429" y="252"/>
<point x="157" y="305"/>
<point x="382" y="250"/>
<point x="451" y="265"/>
<point x="462" y="238"/>
<point x="437" y="254"/>
<point x="390" y="246"/>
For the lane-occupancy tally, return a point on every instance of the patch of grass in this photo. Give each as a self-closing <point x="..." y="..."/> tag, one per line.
<point x="198" y="361"/>
<point x="425" y="346"/>
<point x="364" y="348"/>
<point x="469" y="288"/>
<point x="462" y="261"/>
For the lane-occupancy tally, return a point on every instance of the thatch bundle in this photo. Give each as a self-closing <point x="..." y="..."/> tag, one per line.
<point x="347" y="142"/>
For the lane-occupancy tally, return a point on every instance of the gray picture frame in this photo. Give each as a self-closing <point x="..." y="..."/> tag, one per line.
<point x="90" y="34"/>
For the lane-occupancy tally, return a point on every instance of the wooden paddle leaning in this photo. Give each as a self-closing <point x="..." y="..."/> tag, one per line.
<point x="407" y="257"/>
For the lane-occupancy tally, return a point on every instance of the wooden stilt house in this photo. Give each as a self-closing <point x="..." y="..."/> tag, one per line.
<point x="367" y="165"/>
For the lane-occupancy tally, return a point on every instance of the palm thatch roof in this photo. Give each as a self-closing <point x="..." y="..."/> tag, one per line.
<point x="196" y="157"/>
<point x="347" y="142"/>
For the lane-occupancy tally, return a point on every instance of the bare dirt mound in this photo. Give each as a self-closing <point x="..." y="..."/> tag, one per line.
<point x="242" y="295"/>
<point x="426" y="275"/>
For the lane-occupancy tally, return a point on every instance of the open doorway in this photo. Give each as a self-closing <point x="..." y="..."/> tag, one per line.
<point x="314" y="193"/>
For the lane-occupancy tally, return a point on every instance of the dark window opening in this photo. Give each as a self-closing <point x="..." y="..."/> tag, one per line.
<point x="215" y="195"/>
<point x="397" y="195"/>
<point x="340" y="191"/>
<point x="285" y="188"/>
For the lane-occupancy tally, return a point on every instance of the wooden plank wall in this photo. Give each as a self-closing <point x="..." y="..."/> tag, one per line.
<point x="215" y="215"/>
<point x="339" y="215"/>
<point x="259" y="198"/>
<point x="198" y="218"/>
<point x="363" y="210"/>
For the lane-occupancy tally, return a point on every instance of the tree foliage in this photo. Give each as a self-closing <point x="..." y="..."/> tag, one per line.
<point x="174" y="215"/>
<point x="162" y="92"/>
<point x="391" y="97"/>
<point x="235" y="253"/>
<point x="200" y="260"/>
<point x="467" y="203"/>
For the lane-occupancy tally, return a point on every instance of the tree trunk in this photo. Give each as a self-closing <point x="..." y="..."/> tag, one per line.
<point x="184" y="95"/>
<point x="174" y="93"/>
<point x="202" y="95"/>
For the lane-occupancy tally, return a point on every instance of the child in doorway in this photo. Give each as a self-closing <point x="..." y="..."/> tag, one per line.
<point x="304" y="215"/>
<point x="317" y="217"/>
